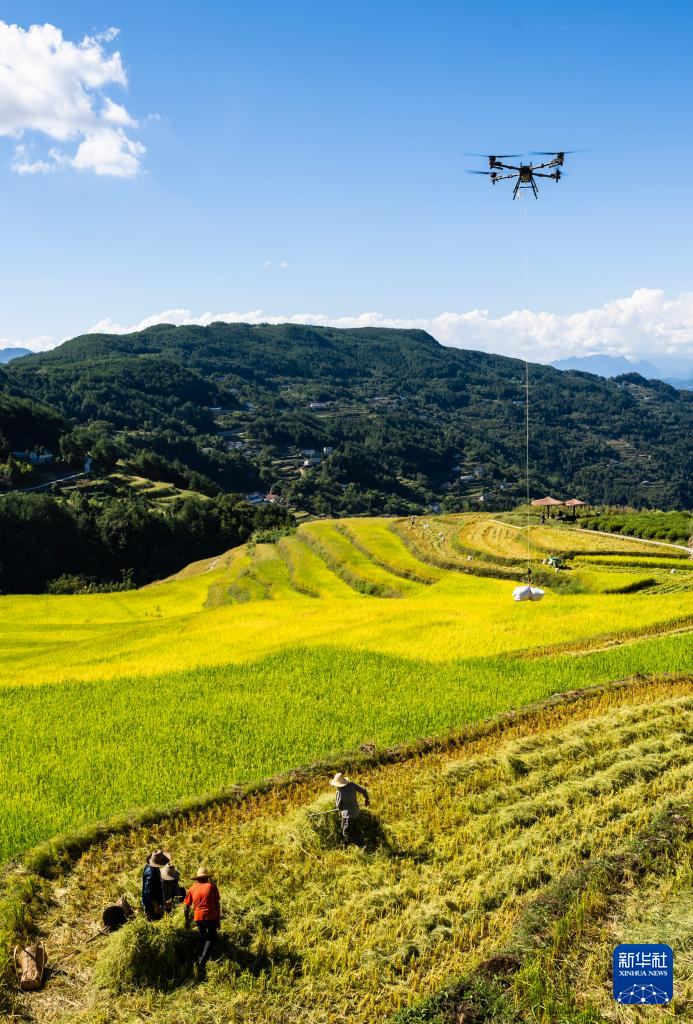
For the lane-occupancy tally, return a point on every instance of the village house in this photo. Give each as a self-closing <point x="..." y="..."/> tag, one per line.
<point x="35" y="456"/>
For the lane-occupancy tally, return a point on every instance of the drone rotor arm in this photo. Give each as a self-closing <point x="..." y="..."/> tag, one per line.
<point x="494" y="175"/>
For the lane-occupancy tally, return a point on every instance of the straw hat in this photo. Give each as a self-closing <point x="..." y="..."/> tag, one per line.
<point x="159" y="858"/>
<point x="203" y="872"/>
<point x="170" y="874"/>
<point x="339" y="781"/>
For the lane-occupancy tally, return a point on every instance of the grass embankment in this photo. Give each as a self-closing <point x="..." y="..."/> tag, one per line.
<point x="488" y="864"/>
<point x="232" y="671"/>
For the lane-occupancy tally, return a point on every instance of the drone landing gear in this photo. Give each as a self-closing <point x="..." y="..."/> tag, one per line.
<point x="519" y="184"/>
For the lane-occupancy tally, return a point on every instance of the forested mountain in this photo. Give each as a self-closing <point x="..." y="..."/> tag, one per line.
<point x="406" y="417"/>
<point x="175" y="425"/>
<point x="24" y="422"/>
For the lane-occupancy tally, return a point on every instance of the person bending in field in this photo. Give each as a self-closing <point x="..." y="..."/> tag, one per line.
<point x="152" y="887"/>
<point x="203" y="902"/>
<point x="173" y="891"/>
<point x="346" y="800"/>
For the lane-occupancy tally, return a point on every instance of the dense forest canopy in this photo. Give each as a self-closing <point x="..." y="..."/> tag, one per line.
<point x="391" y="421"/>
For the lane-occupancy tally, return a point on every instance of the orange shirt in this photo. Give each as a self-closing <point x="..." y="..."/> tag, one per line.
<point x="204" y="898"/>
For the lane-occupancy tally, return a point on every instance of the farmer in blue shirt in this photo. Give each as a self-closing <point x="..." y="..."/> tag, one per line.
<point x="152" y="887"/>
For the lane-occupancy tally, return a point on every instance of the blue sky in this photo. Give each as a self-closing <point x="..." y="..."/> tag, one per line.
<point x="308" y="158"/>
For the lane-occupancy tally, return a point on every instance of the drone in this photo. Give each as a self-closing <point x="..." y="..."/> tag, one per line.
<point x="525" y="173"/>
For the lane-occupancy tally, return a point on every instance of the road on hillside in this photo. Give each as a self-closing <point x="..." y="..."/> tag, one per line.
<point x="48" y="483"/>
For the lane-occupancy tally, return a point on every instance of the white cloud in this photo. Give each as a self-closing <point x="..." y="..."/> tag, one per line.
<point x="282" y="265"/>
<point x="108" y="35"/>
<point x="22" y="162"/>
<point x="645" y="325"/>
<point x="642" y="325"/>
<point x="40" y="344"/>
<point x="52" y="87"/>
<point x="114" y="113"/>
<point x="109" y="152"/>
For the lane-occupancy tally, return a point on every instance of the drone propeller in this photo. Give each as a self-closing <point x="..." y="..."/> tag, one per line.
<point x="491" y="174"/>
<point x="556" y="152"/>
<point x="494" y="156"/>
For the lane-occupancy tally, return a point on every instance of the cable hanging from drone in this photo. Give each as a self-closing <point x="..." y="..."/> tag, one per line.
<point x="527" y="592"/>
<point x="524" y="174"/>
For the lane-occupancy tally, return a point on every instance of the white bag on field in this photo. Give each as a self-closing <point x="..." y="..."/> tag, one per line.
<point x="528" y="593"/>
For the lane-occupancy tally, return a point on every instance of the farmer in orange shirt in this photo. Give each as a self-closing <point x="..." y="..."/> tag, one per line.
<point x="204" y="902"/>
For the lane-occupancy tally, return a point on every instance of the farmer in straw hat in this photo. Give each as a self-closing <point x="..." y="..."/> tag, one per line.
<point x="173" y="891"/>
<point x="346" y="800"/>
<point x="204" y="902"/>
<point x="152" y="888"/>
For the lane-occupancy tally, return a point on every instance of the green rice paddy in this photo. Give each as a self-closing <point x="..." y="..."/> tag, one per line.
<point x="274" y="655"/>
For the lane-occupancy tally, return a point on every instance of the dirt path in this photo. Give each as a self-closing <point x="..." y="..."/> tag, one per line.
<point x="47" y="483"/>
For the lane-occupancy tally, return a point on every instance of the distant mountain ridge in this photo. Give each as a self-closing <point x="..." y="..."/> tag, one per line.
<point x="608" y="366"/>
<point x="680" y="383"/>
<point x="603" y="365"/>
<point x="7" y="354"/>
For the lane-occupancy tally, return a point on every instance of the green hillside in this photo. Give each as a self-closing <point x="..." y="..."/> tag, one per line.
<point x="406" y="418"/>
<point x="23" y="421"/>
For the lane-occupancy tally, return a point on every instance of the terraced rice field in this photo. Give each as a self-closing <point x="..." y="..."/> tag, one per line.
<point x="500" y="540"/>
<point x="490" y="536"/>
<point x="275" y="654"/>
<point x="495" y="872"/>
